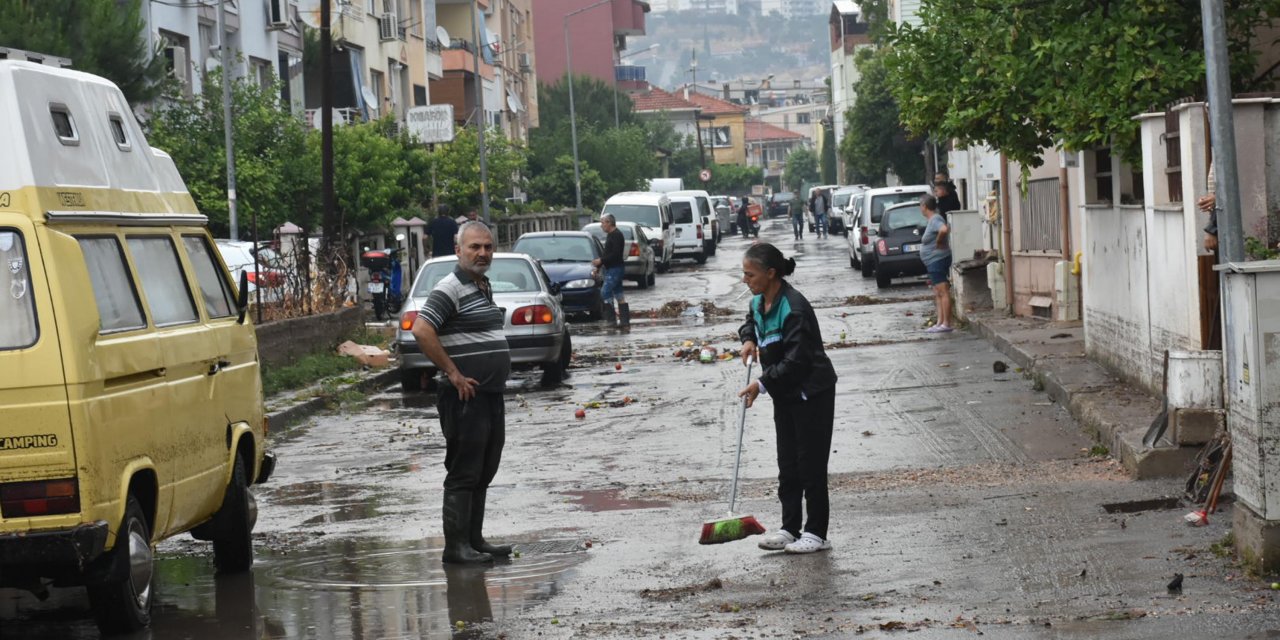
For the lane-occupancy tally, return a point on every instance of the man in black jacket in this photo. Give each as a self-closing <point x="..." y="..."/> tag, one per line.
<point x="950" y="201"/>
<point x="612" y="265"/>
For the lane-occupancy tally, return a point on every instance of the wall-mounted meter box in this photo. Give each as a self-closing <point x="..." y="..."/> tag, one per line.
<point x="1251" y="341"/>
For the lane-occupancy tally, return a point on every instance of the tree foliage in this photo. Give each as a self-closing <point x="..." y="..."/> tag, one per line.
<point x="1023" y="75"/>
<point x="874" y="140"/>
<point x="802" y="167"/>
<point x="458" y="168"/>
<point x="103" y="37"/>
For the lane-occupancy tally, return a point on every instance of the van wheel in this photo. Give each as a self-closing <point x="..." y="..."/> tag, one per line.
<point x="121" y="601"/>
<point x="701" y="259"/>
<point x="233" y="544"/>
<point x="868" y="268"/>
<point x="710" y="249"/>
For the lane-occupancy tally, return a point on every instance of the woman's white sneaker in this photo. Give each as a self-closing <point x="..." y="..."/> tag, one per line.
<point x="808" y="543"/>
<point x="777" y="541"/>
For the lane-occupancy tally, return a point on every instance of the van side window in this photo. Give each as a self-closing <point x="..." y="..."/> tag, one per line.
<point x="213" y="284"/>
<point x="113" y="289"/>
<point x="18" y="326"/>
<point x="162" y="279"/>
<point x="118" y="134"/>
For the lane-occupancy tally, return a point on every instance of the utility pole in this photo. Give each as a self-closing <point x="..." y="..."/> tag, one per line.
<point x="332" y="232"/>
<point x="481" y="117"/>
<point x="224" y="51"/>
<point x="1230" y="233"/>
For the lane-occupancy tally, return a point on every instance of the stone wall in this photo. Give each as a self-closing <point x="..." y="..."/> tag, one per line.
<point x="285" y="341"/>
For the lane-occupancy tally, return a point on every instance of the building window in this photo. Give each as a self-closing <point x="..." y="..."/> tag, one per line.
<point x="419" y="95"/>
<point x="716" y="137"/>
<point x="375" y="83"/>
<point x="177" y="53"/>
<point x="262" y="71"/>
<point x="1102" y="173"/>
<point x="802" y="118"/>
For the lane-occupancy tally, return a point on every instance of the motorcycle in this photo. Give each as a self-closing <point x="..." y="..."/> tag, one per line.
<point x="386" y="262"/>
<point x="754" y="225"/>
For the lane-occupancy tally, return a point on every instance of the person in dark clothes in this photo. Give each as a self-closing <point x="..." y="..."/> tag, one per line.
<point x="952" y="201"/>
<point x="744" y="217"/>
<point x="444" y="232"/>
<point x="947" y="200"/>
<point x="611" y="263"/>
<point x="461" y="330"/>
<point x="781" y="330"/>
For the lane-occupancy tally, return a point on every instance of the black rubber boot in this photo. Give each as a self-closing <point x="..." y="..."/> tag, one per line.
<point x="624" y="314"/>
<point x="457" y="530"/>
<point x="610" y="317"/>
<point x="477" y="529"/>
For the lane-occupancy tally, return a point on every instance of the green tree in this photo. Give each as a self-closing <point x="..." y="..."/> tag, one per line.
<point x="458" y="168"/>
<point x="827" y="162"/>
<point x="556" y="187"/>
<point x="103" y="37"/>
<point x="801" y="167"/>
<point x="593" y="102"/>
<point x="874" y="140"/>
<point x="1022" y="76"/>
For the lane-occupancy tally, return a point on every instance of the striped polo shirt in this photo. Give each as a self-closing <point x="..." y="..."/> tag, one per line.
<point x="470" y="327"/>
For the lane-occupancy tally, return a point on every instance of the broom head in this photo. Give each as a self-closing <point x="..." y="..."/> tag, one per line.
<point x="1197" y="518"/>
<point x="730" y="529"/>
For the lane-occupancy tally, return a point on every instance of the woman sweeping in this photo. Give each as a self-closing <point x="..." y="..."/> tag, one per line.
<point x="781" y="332"/>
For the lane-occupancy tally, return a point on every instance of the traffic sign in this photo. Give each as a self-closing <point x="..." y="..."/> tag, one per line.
<point x="431" y="124"/>
<point x="705" y="175"/>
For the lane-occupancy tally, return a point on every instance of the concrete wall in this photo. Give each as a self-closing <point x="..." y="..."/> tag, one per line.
<point x="285" y="341"/>
<point x="1115" y="291"/>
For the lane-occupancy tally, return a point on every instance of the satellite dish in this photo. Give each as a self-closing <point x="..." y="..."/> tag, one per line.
<point x="442" y="35"/>
<point x="370" y="100"/>
<point x="309" y="12"/>
<point x="513" y="104"/>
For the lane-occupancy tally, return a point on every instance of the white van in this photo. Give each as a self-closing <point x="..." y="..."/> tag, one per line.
<point x="651" y="211"/>
<point x="666" y="185"/>
<point x="686" y="224"/>
<point x="867" y="209"/>
<point x="711" y="222"/>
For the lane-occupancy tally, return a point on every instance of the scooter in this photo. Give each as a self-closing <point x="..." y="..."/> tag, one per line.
<point x="754" y="224"/>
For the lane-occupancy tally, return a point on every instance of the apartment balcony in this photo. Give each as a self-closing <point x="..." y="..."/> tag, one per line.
<point x="459" y="57"/>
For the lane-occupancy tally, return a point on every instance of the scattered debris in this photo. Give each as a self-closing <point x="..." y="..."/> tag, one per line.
<point x="999" y="366"/>
<point x="1175" y="585"/>
<point x="580" y="414"/>
<point x="1057" y="336"/>
<point x="867" y="434"/>
<point x="676" y="593"/>
<point x="682" y="308"/>
<point x="366" y="355"/>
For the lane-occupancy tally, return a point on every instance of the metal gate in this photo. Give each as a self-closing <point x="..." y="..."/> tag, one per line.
<point x="1040" y="217"/>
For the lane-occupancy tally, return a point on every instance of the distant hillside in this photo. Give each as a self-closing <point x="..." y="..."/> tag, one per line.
<point x="731" y="48"/>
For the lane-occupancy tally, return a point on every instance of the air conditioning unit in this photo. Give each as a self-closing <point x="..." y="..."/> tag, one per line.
<point x="526" y="62"/>
<point x="388" y="27"/>
<point x="279" y="15"/>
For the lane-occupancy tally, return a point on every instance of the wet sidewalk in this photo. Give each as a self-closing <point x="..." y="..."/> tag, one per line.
<point x="1115" y="413"/>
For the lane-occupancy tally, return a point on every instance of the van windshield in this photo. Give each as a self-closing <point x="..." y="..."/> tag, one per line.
<point x="645" y="214"/>
<point x="18" y="327"/>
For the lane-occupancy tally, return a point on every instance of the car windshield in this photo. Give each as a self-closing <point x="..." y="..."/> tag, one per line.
<point x="841" y="200"/>
<point x="783" y="195"/>
<point x="645" y="214"/>
<point x="18" y="328"/>
<point x="628" y="231"/>
<point x="506" y="275"/>
<point x="881" y="202"/>
<point x="904" y="218"/>
<point x="681" y="212"/>
<point x="557" y="248"/>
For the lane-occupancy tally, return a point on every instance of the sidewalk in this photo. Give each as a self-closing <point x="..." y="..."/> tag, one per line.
<point x="1114" y="412"/>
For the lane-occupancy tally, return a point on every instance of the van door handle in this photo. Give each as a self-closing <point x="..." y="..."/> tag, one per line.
<point x="218" y="366"/>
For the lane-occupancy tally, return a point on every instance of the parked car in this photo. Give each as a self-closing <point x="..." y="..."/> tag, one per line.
<point x="707" y="214"/>
<point x="898" y="244"/>
<point x="567" y="258"/>
<point x="652" y="211"/>
<point x="840" y="206"/>
<point x="781" y="203"/>
<point x="240" y="256"/>
<point x="726" y="214"/>
<point x="686" y="224"/>
<point x="535" y="324"/>
<point x="639" y="262"/>
<point x="130" y="387"/>
<point x="869" y="206"/>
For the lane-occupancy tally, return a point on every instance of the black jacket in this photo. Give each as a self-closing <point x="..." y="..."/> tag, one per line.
<point x="791" y="352"/>
<point x="613" y="250"/>
<point x="951" y="201"/>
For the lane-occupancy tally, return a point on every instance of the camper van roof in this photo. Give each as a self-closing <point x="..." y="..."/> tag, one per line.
<point x="72" y="143"/>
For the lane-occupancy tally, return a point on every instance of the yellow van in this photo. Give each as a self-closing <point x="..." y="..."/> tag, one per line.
<point x="130" y="399"/>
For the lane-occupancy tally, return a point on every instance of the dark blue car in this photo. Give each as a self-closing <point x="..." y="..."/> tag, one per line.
<point x="567" y="258"/>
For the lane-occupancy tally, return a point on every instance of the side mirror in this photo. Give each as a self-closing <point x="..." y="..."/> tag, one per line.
<point x="242" y="297"/>
<point x="666" y="225"/>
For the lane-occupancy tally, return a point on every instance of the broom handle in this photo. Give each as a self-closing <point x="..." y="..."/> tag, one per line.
<point x="742" y="426"/>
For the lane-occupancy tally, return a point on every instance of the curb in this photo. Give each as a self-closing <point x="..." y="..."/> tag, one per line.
<point x="288" y="417"/>
<point x="1114" y="413"/>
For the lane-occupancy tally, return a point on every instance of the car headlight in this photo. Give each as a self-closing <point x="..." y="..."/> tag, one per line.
<point x="580" y="284"/>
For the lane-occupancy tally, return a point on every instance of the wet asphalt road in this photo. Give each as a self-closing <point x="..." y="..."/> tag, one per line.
<point x="963" y="501"/>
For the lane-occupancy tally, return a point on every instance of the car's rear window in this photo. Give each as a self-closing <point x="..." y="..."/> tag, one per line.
<point x="904" y="218"/>
<point x="681" y="213"/>
<point x="881" y="202"/>
<point x="506" y="275"/>
<point x="557" y="248"/>
<point x="18" y="326"/>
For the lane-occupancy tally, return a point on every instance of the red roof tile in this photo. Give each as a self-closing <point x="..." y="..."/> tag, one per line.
<point x="656" y="99"/>
<point x="761" y="131"/>
<point x="715" y="106"/>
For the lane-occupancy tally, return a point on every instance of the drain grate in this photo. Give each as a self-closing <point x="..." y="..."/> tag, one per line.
<point x="1136" y="506"/>
<point x="565" y="545"/>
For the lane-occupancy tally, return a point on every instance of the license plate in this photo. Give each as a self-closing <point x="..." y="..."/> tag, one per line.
<point x="910" y="248"/>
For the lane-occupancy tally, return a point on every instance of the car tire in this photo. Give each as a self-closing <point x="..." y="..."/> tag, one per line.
<point x="119" y="604"/>
<point x="867" y="267"/>
<point x="882" y="280"/>
<point x="410" y="380"/>
<point x="701" y="259"/>
<point x="233" y="543"/>
<point x="643" y="281"/>
<point x="662" y="267"/>
<point x="553" y="373"/>
<point x="653" y="279"/>
<point x="710" y="249"/>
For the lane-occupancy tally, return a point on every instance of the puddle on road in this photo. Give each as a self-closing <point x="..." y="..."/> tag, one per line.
<point x="611" y="500"/>
<point x="346" y="589"/>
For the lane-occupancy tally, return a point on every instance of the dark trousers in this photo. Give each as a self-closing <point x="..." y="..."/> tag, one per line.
<point x="474" y="432"/>
<point x="804" y="444"/>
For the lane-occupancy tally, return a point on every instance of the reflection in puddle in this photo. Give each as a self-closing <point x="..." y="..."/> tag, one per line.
<point x="612" y="500"/>
<point x="345" y="590"/>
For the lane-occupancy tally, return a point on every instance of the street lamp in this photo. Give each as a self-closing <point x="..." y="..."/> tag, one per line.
<point x="573" y="114"/>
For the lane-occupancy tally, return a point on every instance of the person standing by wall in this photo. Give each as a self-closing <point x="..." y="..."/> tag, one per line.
<point x="935" y="252"/>
<point x="460" y="330"/>
<point x="952" y="200"/>
<point x="444" y="233"/>
<point x="611" y="263"/>
<point x="781" y="331"/>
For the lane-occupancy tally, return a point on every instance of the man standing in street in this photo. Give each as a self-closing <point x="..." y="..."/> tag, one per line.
<point x="818" y="207"/>
<point x="797" y="222"/>
<point x="612" y="265"/>
<point x="443" y="231"/>
<point x="935" y="252"/>
<point x="461" y="330"/>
